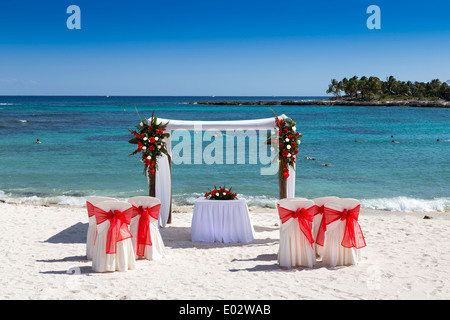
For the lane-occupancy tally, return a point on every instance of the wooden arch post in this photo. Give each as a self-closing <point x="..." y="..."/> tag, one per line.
<point x="282" y="182"/>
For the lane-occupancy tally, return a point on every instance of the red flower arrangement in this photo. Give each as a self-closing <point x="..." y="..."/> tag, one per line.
<point x="150" y="140"/>
<point x="220" y="194"/>
<point x="288" y="143"/>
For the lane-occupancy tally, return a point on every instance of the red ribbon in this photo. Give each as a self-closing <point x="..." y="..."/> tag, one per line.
<point x="319" y="210"/>
<point x="118" y="228"/>
<point x="305" y="218"/>
<point x="143" y="234"/>
<point x="90" y="209"/>
<point x="353" y="236"/>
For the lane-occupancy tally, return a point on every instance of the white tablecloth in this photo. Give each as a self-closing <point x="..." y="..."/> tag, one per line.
<point x="221" y="221"/>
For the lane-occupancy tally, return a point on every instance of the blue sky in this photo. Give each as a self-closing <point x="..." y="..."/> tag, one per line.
<point x="232" y="47"/>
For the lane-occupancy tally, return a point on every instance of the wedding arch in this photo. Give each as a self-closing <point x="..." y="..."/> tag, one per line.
<point x="160" y="180"/>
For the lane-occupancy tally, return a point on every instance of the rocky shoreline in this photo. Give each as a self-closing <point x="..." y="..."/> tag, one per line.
<point x="332" y="102"/>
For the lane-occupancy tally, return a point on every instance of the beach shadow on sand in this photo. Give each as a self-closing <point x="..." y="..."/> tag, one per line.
<point x="73" y="234"/>
<point x="86" y="270"/>
<point x="180" y="237"/>
<point x="267" y="257"/>
<point x="275" y="267"/>
<point x="73" y="270"/>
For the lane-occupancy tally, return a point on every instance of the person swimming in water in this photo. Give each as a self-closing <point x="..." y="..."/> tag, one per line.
<point x="38" y="141"/>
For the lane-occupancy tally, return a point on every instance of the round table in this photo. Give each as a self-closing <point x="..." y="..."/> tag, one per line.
<point x="221" y="221"/>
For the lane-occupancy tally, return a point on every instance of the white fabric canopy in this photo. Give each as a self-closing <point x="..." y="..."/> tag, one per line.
<point x="261" y="124"/>
<point x="163" y="189"/>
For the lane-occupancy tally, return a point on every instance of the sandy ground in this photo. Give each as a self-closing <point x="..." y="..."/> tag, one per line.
<point x="43" y="257"/>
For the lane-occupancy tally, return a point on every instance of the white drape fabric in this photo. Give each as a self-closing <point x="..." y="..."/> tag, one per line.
<point x="221" y="221"/>
<point x="124" y="258"/>
<point x="333" y="253"/>
<point x="290" y="181"/>
<point x="294" y="250"/>
<point x="157" y="250"/>
<point x="92" y="228"/>
<point x="257" y="124"/>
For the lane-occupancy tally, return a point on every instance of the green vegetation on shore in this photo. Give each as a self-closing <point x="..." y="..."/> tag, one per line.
<point x="368" y="88"/>
<point x="370" y="91"/>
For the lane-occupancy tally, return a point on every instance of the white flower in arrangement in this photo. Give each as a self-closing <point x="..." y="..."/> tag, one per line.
<point x="149" y="157"/>
<point x="144" y="148"/>
<point x="217" y="194"/>
<point x="289" y="155"/>
<point x="283" y="116"/>
<point x="145" y="139"/>
<point x="298" y="141"/>
<point x="156" y="138"/>
<point x="288" y="147"/>
<point x="141" y="124"/>
<point x="159" y="147"/>
<point x="294" y="128"/>
<point x="224" y="193"/>
<point x="287" y="140"/>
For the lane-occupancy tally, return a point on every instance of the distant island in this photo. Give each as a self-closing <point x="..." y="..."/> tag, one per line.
<point x="370" y="91"/>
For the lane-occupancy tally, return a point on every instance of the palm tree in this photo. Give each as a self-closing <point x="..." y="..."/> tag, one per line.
<point x="335" y="88"/>
<point x="345" y="86"/>
<point x="363" y="86"/>
<point x="353" y="86"/>
<point x="433" y="87"/>
<point x="444" y="90"/>
<point x="420" y="89"/>
<point x="390" y="86"/>
<point x="374" y="85"/>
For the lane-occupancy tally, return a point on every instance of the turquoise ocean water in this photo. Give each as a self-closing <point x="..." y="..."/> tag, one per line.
<point x="85" y="152"/>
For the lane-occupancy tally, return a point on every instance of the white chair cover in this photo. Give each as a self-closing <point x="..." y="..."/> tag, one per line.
<point x="157" y="250"/>
<point x="295" y="249"/>
<point x="334" y="254"/>
<point x="124" y="258"/>
<point x="92" y="229"/>
<point x="318" y="219"/>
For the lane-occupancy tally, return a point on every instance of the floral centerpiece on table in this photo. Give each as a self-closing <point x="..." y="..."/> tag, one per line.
<point x="288" y="143"/>
<point x="149" y="137"/>
<point x="220" y="194"/>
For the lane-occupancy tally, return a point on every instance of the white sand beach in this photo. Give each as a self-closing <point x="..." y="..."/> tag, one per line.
<point x="43" y="256"/>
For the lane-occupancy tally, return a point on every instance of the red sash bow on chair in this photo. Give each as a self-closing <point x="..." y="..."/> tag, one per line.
<point x="319" y="210"/>
<point x="305" y="219"/>
<point x="143" y="234"/>
<point x="353" y="236"/>
<point x="90" y="209"/>
<point x="118" y="228"/>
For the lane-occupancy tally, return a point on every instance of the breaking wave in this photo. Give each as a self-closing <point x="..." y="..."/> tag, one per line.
<point x="401" y="204"/>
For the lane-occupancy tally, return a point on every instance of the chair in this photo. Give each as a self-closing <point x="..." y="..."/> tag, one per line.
<point x="341" y="235"/>
<point x="92" y="229"/>
<point x="113" y="250"/>
<point x="319" y="202"/>
<point x="147" y="241"/>
<point x="296" y="240"/>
